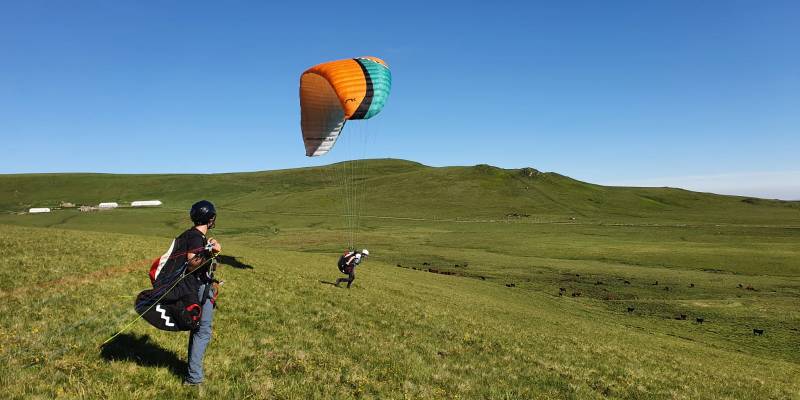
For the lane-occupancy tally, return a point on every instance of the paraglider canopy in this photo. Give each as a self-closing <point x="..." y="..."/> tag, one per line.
<point x="333" y="92"/>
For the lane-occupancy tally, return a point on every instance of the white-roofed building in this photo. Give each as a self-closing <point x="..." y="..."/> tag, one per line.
<point x="39" y="210"/>
<point x="108" y="205"/>
<point x="146" y="203"/>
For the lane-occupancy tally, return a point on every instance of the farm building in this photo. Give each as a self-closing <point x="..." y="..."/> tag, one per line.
<point x="146" y="203"/>
<point x="108" y="205"/>
<point x="39" y="210"/>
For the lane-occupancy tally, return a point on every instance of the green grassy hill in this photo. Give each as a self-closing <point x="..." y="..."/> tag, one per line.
<point x="403" y="189"/>
<point x="494" y="327"/>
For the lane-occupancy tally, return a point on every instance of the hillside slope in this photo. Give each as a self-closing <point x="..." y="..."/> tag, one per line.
<point x="482" y="283"/>
<point x="282" y="331"/>
<point x="404" y="189"/>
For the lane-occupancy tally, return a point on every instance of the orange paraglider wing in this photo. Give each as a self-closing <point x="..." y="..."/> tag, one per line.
<point x="334" y="92"/>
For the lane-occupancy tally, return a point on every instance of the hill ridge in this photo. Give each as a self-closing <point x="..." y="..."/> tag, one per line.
<point x="406" y="188"/>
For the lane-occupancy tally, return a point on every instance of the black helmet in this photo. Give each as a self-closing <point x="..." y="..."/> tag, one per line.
<point x="202" y="212"/>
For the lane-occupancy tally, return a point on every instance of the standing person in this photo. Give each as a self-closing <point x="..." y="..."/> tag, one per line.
<point x="184" y="290"/>
<point x="204" y="216"/>
<point x="347" y="265"/>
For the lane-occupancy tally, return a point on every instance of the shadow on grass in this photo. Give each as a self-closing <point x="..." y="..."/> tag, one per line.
<point x="231" y="261"/>
<point x="328" y="283"/>
<point x="142" y="351"/>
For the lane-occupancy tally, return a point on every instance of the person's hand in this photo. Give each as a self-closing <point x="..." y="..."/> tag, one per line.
<point x="215" y="246"/>
<point x="215" y="285"/>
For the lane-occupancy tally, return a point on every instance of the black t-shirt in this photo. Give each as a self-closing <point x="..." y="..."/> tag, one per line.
<point x="190" y="241"/>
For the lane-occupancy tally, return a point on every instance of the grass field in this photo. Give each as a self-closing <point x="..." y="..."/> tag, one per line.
<point x="282" y="331"/>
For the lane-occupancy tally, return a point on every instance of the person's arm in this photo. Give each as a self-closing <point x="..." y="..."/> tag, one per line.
<point x="197" y="255"/>
<point x="195" y="260"/>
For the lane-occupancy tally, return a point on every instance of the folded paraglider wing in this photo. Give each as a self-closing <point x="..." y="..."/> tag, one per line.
<point x="334" y="92"/>
<point x="179" y="315"/>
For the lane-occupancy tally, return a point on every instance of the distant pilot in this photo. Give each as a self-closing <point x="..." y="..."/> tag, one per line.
<point x="347" y="265"/>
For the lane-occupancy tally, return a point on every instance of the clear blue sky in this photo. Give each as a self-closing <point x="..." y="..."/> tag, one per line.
<point x="635" y="92"/>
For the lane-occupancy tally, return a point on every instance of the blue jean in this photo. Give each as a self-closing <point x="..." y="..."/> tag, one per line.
<point x="198" y="340"/>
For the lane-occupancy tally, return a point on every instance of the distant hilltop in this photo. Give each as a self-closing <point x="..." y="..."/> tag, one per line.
<point x="398" y="188"/>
